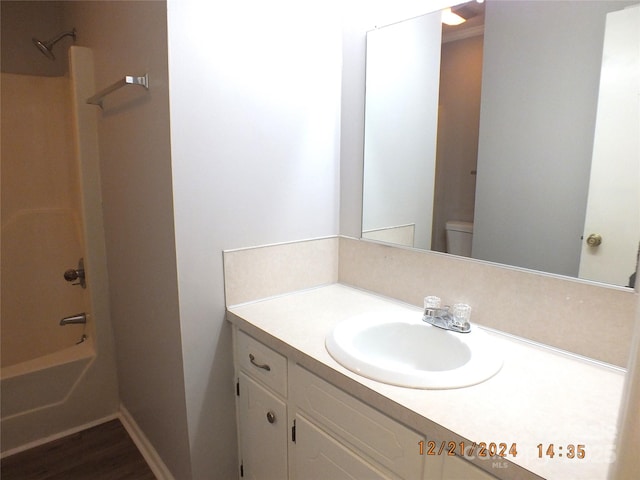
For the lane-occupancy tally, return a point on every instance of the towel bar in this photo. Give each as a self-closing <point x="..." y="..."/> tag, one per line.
<point x="127" y="80"/>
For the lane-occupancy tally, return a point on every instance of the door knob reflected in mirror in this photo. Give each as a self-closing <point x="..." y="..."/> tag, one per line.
<point x="594" y="239"/>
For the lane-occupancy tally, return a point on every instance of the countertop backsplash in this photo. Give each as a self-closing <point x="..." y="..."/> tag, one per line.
<point x="580" y="317"/>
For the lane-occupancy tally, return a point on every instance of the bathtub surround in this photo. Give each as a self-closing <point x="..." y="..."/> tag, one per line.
<point x="561" y="312"/>
<point x="41" y="224"/>
<point x="71" y="385"/>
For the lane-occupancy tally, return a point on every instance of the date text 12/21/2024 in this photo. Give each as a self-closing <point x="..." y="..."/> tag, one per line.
<point x="493" y="449"/>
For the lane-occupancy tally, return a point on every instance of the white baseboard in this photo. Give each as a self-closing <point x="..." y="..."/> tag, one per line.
<point x="51" y="438"/>
<point x="149" y="453"/>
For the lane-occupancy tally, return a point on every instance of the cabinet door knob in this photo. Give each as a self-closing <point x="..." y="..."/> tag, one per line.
<point x="271" y="417"/>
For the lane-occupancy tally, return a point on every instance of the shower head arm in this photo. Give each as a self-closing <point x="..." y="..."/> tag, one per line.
<point x="60" y="36"/>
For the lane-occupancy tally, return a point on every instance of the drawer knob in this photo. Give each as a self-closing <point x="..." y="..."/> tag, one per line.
<point x="271" y="417"/>
<point x="264" y="366"/>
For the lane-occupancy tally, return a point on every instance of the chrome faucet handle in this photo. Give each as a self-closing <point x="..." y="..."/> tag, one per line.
<point x="460" y="315"/>
<point x="459" y="324"/>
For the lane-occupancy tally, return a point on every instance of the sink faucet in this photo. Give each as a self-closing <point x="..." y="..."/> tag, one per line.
<point x="441" y="317"/>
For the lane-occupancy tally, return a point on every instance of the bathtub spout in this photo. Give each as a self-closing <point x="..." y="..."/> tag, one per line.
<point x="79" y="318"/>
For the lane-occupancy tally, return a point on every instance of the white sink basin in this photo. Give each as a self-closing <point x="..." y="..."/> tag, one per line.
<point x="401" y="349"/>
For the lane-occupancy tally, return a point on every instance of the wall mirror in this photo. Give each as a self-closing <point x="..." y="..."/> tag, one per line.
<point x="518" y="129"/>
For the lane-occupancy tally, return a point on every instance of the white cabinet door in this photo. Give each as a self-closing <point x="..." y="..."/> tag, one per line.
<point x="263" y="431"/>
<point x="320" y="457"/>
<point x="375" y="436"/>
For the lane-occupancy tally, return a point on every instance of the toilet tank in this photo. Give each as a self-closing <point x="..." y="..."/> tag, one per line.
<point x="459" y="237"/>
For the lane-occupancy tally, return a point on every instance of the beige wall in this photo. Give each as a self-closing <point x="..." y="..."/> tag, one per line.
<point x="129" y="38"/>
<point x="40" y="19"/>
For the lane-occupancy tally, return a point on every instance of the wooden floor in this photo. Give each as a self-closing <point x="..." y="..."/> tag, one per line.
<point x="105" y="452"/>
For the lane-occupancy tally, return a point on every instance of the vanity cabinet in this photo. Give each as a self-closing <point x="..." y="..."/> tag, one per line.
<point x="294" y="425"/>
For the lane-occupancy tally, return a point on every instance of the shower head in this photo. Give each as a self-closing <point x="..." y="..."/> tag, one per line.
<point x="47" y="47"/>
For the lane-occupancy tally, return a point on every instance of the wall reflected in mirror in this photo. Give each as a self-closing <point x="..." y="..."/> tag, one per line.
<point x="491" y="128"/>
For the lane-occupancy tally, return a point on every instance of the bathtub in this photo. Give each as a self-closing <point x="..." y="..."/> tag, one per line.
<point x="44" y="381"/>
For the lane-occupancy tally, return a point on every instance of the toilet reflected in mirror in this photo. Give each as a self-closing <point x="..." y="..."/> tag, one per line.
<point x="459" y="237"/>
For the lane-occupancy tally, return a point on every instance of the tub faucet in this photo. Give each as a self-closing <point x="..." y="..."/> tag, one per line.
<point x="78" y="318"/>
<point x="441" y="317"/>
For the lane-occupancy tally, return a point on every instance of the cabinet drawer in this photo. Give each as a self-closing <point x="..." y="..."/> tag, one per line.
<point x="262" y="363"/>
<point x="370" y="432"/>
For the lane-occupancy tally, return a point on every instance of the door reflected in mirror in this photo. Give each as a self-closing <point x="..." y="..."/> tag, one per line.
<point x="499" y="144"/>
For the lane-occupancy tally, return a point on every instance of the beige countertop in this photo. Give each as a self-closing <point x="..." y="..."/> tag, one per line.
<point x="540" y="396"/>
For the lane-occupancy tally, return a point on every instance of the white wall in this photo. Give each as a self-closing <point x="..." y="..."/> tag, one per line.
<point x="255" y="104"/>
<point x="539" y="100"/>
